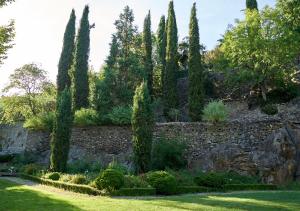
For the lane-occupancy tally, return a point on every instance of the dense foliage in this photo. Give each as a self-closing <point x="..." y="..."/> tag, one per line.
<point x="215" y="111"/>
<point x="251" y="4"/>
<point x="196" y="89"/>
<point x="161" y="54"/>
<point x="262" y="50"/>
<point x="7" y="34"/>
<point x="147" y="52"/>
<point x="81" y="59"/>
<point x="170" y="77"/>
<point x="66" y="58"/>
<point x="110" y="180"/>
<point x="62" y="132"/>
<point x="142" y="127"/>
<point x="164" y="182"/>
<point x="168" y="153"/>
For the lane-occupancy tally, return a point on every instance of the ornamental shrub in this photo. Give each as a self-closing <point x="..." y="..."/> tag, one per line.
<point x="215" y="111"/>
<point x="110" y="180"/>
<point x="164" y="182"/>
<point x="52" y="176"/>
<point x="168" y="153"/>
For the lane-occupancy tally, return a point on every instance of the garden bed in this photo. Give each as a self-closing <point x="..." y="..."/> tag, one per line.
<point x="85" y="189"/>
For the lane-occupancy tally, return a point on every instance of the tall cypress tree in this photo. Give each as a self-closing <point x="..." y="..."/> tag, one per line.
<point x="161" y="49"/>
<point x="113" y="52"/>
<point x="61" y="135"/>
<point x="170" y="93"/>
<point x="81" y="82"/>
<point x="66" y="57"/>
<point x="196" y="89"/>
<point x="251" y="4"/>
<point x="147" y="54"/>
<point x="142" y="128"/>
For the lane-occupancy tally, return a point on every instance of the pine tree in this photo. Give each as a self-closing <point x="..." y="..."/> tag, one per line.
<point x="142" y="127"/>
<point x="81" y="82"/>
<point x="62" y="132"/>
<point x="66" y="58"/>
<point x="147" y="52"/>
<point x="170" y="93"/>
<point x="196" y="89"/>
<point x="161" y="49"/>
<point x="251" y="4"/>
<point x="129" y="62"/>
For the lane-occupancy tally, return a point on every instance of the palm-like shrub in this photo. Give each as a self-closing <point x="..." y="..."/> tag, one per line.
<point x="215" y="111"/>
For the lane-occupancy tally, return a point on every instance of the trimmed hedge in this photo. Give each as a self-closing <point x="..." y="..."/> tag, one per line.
<point x="85" y="189"/>
<point x="192" y="189"/>
<point x="134" y="192"/>
<point x="6" y="158"/>
<point x="239" y="187"/>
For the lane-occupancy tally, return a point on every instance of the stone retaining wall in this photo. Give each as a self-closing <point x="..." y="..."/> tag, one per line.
<point x="262" y="148"/>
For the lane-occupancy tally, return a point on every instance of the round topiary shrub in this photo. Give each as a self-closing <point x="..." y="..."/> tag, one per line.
<point x="53" y="176"/>
<point x="212" y="180"/>
<point x="270" y="109"/>
<point x="164" y="182"/>
<point x="110" y="180"/>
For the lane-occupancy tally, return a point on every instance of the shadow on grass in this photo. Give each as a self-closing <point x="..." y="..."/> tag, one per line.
<point x="14" y="197"/>
<point x="243" y="201"/>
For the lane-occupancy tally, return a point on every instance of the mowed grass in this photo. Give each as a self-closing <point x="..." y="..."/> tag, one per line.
<point x="23" y="198"/>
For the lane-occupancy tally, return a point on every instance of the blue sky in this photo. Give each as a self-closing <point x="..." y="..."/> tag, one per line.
<point x="40" y="25"/>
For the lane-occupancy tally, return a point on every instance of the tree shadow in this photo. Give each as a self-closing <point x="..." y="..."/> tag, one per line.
<point x="14" y="197"/>
<point x="243" y="201"/>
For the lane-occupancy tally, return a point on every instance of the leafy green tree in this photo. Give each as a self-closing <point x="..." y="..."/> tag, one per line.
<point x="262" y="49"/>
<point x="66" y="58"/>
<point x="5" y="2"/>
<point x="147" y="48"/>
<point x="28" y="81"/>
<point x="61" y="135"/>
<point x="290" y="14"/>
<point x="7" y="34"/>
<point x="196" y="89"/>
<point x="161" y="49"/>
<point x="251" y="4"/>
<point x="170" y="82"/>
<point x="142" y="127"/>
<point x="81" y="60"/>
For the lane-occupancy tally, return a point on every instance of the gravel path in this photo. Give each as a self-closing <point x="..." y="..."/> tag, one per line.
<point x="20" y="181"/>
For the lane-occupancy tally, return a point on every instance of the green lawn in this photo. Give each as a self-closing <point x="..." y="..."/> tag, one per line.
<point x="17" y="197"/>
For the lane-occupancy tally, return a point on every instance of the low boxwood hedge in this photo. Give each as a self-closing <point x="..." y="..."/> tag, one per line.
<point x="240" y="187"/>
<point x="85" y="189"/>
<point x="134" y="192"/>
<point x="192" y="189"/>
